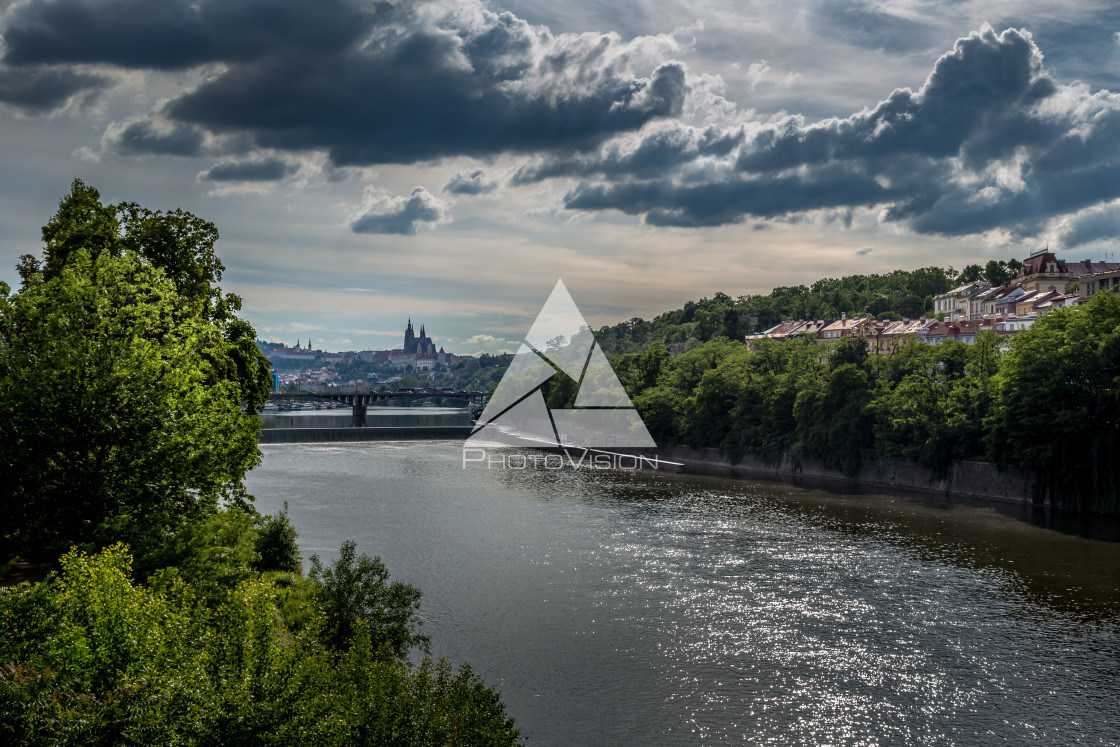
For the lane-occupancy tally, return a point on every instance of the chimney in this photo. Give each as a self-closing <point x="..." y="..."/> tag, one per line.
<point x="843" y="315"/>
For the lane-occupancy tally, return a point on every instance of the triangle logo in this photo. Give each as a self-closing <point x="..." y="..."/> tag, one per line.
<point x="561" y="342"/>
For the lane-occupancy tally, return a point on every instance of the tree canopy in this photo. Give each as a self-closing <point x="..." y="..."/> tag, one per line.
<point x="1044" y="400"/>
<point x="127" y="385"/>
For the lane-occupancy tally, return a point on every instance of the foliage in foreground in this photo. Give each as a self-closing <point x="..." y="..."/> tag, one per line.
<point x="90" y="657"/>
<point x="127" y="383"/>
<point x="127" y="396"/>
<point x="355" y="591"/>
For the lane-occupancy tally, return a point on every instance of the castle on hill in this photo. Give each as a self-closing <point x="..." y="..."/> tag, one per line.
<point x="419" y="352"/>
<point x="421" y="345"/>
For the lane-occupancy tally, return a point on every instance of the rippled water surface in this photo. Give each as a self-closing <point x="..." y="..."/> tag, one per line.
<point x="636" y="608"/>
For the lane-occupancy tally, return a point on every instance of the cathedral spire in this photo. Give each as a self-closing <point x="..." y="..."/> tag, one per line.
<point x="409" y="338"/>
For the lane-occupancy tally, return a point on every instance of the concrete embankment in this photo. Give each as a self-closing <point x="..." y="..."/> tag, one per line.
<point x="966" y="480"/>
<point x="341" y="435"/>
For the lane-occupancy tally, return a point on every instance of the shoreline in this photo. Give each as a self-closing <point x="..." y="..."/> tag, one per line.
<point x="966" y="479"/>
<point x="968" y="483"/>
<point x="971" y="481"/>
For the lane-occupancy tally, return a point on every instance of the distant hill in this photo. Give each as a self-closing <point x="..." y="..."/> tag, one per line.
<point x="897" y="295"/>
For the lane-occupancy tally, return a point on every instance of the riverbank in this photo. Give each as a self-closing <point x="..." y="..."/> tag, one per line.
<point x="969" y="480"/>
<point x="966" y="480"/>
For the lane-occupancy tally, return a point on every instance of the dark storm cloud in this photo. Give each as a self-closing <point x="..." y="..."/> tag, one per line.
<point x="976" y="103"/>
<point x="474" y="183"/>
<point x="863" y="251"/>
<point x="643" y="157"/>
<point x="1102" y="224"/>
<point x="43" y="91"/>
<point x="266" y="170"/>
<point x="1076" y="49"/>
<point x="369" y="83"/>
<point x="174" y="34"/>
<point x="401" y="215"/>
<point x="990" y="141"/>
<point x="409" y="106"/>
<point x="159" y="138"/>
<point x="713" y="204"/>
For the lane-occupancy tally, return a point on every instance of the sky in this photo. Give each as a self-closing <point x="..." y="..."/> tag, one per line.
<point x="371" y="161"/>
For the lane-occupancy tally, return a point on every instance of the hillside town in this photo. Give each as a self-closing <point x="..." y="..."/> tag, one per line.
<point x="417" y="356"/>
<point x="1043" y="283"/>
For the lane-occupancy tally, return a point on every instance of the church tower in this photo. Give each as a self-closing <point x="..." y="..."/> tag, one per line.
<point x="424" y="344"/>
<point x="409" y="338"/>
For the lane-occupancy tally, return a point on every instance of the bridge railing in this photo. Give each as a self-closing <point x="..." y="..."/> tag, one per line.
<point x="366" y="392"/>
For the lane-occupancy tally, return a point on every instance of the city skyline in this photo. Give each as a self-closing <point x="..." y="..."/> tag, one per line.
<point x="456" y="158"/>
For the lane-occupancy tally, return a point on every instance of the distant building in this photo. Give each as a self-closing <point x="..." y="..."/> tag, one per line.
<point x="964" y="331"/>
<point x="957" y="303"/>
<point x="419" y="353"/>
<point x="1101" y="280"/>
<point x="786" y="330"/>
<point x="1044" y="271"/>
<point x="1005" y="296"/>
<point x="1058" y="301"/>
<point x="1028" y="303"/>
<point x="1013" y="324"/>
<point x="414" y="345"/>
<point x="886" y="337"/>
<point x="296" y="353"/>
<point x="845" y="327"/>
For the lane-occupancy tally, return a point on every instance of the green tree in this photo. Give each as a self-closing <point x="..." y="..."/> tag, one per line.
<point x="354" y="591"/>
<point x="81" y="223"/>
<point x="1057" y="412"/>
<point x="176" y="242"/>
<point x="996" y="273"/>
<point x="276" y="543"/>
<point x="834" y="425"/>
<point x="851" y="350"/>
<point x="90" y="657"/>
<point x="117" y="414"/>
<point x="911" y="307"/>
<point x="970" y="274"/>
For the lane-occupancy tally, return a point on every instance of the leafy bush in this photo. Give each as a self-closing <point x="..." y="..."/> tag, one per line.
<point x="89" y="657"/>
<point x="355" y="591"/>
<point x="276" y="543"/>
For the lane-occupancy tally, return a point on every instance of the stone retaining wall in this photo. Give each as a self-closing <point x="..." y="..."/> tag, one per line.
<point x="975" y="480"/>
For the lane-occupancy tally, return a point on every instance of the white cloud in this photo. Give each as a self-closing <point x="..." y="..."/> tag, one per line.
<point x="483" y="339"/>
<point x="400" y="215"/>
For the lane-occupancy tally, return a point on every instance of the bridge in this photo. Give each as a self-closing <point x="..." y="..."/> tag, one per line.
<point x="359" y="401"/>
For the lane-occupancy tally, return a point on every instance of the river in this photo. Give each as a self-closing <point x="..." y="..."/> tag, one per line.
<point x="618" y="608"/>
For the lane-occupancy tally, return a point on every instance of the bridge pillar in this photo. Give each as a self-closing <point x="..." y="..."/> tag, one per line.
<point x="359" y="419"/>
